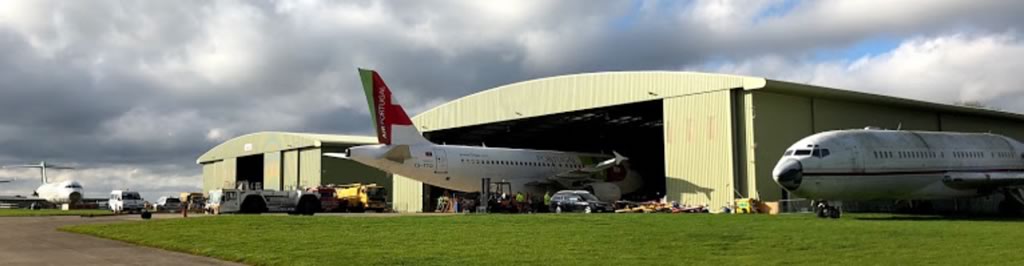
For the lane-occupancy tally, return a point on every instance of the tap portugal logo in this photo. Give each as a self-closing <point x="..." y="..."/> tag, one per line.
<point x="381" y="110"/>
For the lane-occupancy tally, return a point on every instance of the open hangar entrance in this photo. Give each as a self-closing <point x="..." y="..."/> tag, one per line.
<point x="249" y="171"/>
<point x="633" y="130"/>
<point x="681" y="130"/>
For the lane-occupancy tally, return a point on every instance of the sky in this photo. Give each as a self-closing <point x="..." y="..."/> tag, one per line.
<point x="132" y="92"/>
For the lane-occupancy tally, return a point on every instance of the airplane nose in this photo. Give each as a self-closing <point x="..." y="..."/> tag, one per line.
<point x="75" y="197"/>
<point x="789" y="174"/>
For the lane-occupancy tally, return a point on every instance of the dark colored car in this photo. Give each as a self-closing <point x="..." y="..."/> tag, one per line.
<point x="578" y="201"/>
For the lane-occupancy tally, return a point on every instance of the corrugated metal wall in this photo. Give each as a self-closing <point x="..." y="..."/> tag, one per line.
<point x="212" y="175"/>
<point x="699" y="149"/>
<point x="227" y="172"/>
<point x="341" y="171"/>
<point x="272" y="171"/>
<point x="256" y="143"/>
<point x="309" y="163"/>
<point x="749" y="146"/>
<point x="291" y="169"/>
<point x="969" y="123"/>
<point x="779" y="121"/>
<point x="573" y="92"/>
<point x="407" y="194"/>
<point x="833" y="115"/>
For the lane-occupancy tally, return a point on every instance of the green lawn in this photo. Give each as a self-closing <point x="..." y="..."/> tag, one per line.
<point x="49" y="212"/>
<point x="612" y="239"/>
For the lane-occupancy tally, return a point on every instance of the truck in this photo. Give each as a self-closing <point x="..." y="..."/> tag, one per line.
<point x="358" y="197"/>
<point x="328" y="197"/>
<point x="125" y="201"/>
<point x="167" y="204"/>
<point x="193" y="201"/>
<point x="260" y="201"/>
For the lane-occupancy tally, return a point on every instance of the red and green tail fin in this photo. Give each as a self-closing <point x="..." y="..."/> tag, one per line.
<point x="392" y="124"/>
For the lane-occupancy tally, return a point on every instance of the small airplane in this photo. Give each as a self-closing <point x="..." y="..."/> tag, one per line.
<point x="404" y="151"/>
<point x="874" y="164"/>
<point x="68" y="191"/>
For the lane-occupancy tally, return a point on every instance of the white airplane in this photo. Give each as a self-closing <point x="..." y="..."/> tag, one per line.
<point x="404" y="151"/>
<point x="872" y="164"/>
<point x="68" y="191"/>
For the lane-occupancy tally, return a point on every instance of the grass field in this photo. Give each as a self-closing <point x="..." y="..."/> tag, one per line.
<point x="49" y="212"/>
<point x="634" y="239"/>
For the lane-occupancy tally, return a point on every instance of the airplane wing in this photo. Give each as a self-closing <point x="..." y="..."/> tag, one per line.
<point x="17" y="198"/>
<point x="587" y="172"/>
<point x="983" y="179"/>
<point x="21" y="166"/>
<point x="337" y="155"/>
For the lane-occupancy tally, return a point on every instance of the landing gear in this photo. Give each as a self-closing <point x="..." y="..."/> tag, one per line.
<point x="1013" y="203"/>
<point x="823" y="210"/>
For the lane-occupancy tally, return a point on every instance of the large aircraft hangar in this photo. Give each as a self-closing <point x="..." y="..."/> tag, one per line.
<point x="697" y="138"/>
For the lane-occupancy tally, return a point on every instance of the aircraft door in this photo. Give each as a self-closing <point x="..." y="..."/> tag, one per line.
<point x="856" y="162"/>
<point x="440" y="161"/>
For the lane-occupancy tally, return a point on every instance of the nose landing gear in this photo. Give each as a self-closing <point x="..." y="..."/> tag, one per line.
<point x="824" y="210"/>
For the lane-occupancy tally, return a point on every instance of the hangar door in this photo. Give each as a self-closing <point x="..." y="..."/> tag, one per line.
<point x="699" y="149"/>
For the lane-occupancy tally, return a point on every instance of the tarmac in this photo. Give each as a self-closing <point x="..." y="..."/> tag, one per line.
<point x="36" y="241"/>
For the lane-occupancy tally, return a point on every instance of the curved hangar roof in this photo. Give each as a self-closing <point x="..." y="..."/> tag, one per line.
<point x="264" y="142"/>
<point x="567" y="93"/>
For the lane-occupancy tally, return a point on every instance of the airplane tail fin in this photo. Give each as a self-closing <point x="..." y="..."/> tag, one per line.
<point x="389" y="118"/>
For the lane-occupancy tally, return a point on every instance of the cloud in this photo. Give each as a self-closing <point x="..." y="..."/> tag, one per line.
<point x="945" y="69"/>
<point x="151" y="85"/>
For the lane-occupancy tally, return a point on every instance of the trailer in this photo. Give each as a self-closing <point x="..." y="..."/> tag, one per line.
<point x="260" y="201"/>
<point x="328" y="197"/>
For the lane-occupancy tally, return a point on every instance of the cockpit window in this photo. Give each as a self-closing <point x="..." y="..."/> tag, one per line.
<point x="803" y="152"/>
<point x="788" y="153"/>
<point x="820" y="153"/>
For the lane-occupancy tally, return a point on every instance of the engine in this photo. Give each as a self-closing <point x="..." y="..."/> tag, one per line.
<point x="605" y="191"/>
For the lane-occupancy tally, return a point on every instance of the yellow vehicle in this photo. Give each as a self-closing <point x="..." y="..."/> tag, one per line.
<point x="358" y="197"/>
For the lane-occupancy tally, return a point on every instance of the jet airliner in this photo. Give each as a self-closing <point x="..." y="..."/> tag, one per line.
<point x="68" y="191"/>
<point x="873" y="164"/>
<point x="404" y="151"/>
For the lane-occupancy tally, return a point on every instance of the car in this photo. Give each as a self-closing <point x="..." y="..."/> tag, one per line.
<point x="125" y="201"/>
<point x="167" y="204"/>
<point x="578" y="201"/>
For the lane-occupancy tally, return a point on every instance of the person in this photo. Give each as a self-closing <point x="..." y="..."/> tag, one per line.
<point x="520" y="200"/>
<point x="547" y="198"/>
<point x="441" y="202"/>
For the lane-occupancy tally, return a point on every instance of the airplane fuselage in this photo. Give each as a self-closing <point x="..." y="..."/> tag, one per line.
<point x="60" y="192"/>
<point x="888" y="164"/>
<point x="462" y="167"/>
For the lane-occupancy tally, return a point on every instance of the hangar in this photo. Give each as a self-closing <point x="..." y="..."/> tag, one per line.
<point x="697" y="138"/>
<point x="286" y="161"/>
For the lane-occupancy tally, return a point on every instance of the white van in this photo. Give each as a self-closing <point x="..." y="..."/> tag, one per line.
<point x="125" y="201"/>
